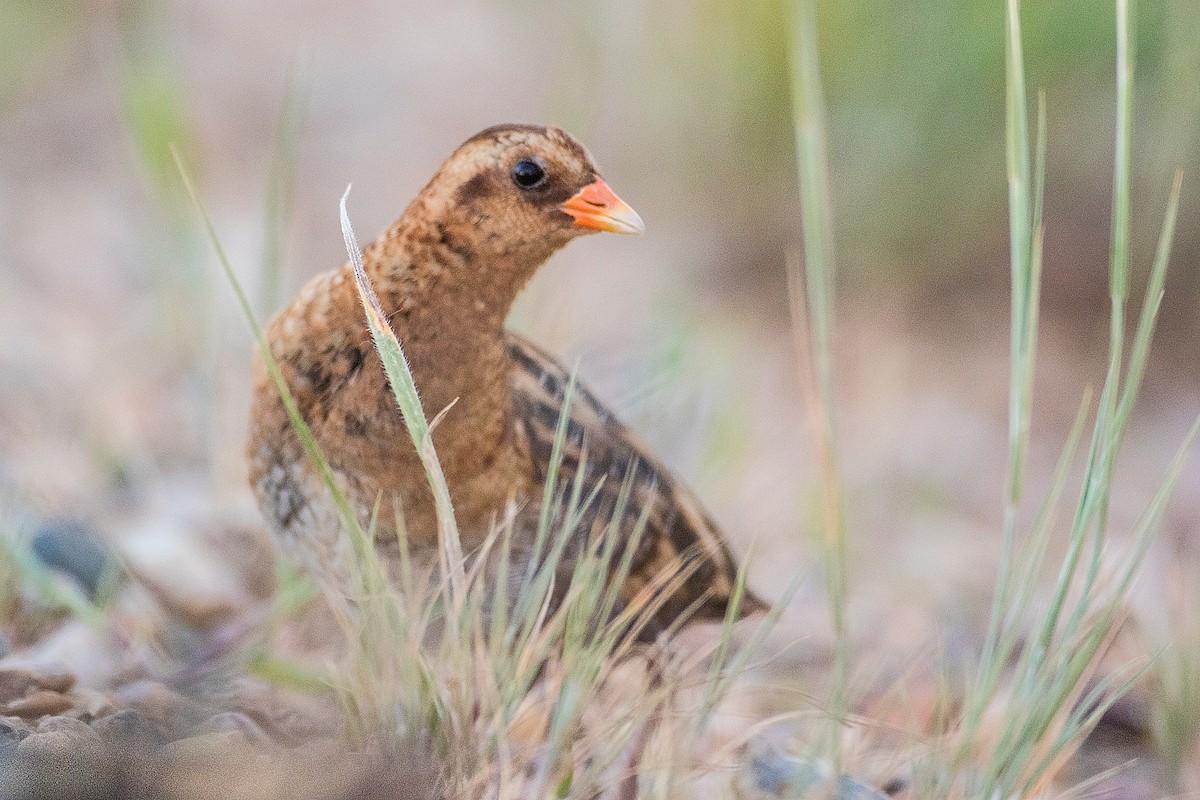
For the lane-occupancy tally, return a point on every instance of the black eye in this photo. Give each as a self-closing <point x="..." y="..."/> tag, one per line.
<point x="528" y="174"/>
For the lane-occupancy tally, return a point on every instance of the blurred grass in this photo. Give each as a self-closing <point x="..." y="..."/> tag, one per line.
<point x="1048" y="710"/>
<point x="914" y="113"/>
<point x="912" y="88"/>
<point x="280" y="176"/>
<point x="1036" y="683"/>
<point x="33" y="35"/>
<point x="813" y="319"/>
<point x="1175" y="682"/>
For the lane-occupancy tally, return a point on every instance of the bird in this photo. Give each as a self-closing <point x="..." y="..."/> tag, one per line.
<point x="446" y="273"/>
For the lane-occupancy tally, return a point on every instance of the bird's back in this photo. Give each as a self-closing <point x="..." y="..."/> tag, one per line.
<point x="678" y="536"/>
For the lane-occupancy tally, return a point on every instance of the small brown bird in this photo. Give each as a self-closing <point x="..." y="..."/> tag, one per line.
<point x="446" y="274"/>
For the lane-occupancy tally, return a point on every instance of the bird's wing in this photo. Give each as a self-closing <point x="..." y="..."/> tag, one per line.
<point x="678" y="531"/>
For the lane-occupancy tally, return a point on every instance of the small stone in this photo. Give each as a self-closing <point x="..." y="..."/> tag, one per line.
<point x="91" y="704"/>
<point x="14" y="729"/>
<point x="62" y="741"/>
<point x="15" y="683"/>
<point x="127" y="728"/>
<point x="187" y="577"/>
<point x="323" y="750"/>
<point x="851" y="788"/>
<point x="61" y="745"/>
<point x="226" y="747"/>
<point x="167" y="711"/>
<point x="42" y="703"/>
<point x="773" y="774"/>
<point x="67" y="763"/>
<point x="18" y="682"/>
<point x="233" y="722"/>
<point x="291" y="717"/>
<point x="75" y="649"/>
<point x="56" y="680"/>
<point x="62" y="724"/>
<point x="72" y="548"/>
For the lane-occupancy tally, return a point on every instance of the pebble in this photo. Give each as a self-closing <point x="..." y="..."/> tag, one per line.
<point x="41" y="703"/>
<point x="225" y="747"/>
<point x="16" y="682"/>
<point x="62" y="738"/>
<point x="13" y="729"/>
<point x="773" y="774"/>
<point x="58" y="681"/>
<point x="165" y="710"/>
<point x="128" y="728"/>
<point x="187" y="577"/>
<point x="233" y="722"/>
<point x="72" y="548"/>
<point x="293" y="718"/>
<point x="64" y="724"/>
<point x="75" y="649"/>
<point x="63" y="758"/>
<point x="92" y="704"/>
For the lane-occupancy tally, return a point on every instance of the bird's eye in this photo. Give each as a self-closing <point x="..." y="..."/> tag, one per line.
<point x="528" y="174"/>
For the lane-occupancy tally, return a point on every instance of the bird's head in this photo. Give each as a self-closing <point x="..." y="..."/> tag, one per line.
<point x="524" y="191"/>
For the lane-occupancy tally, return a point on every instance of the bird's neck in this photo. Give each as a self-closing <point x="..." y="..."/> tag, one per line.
<point x="447" y="304"/>
<point x="431" y="271"/>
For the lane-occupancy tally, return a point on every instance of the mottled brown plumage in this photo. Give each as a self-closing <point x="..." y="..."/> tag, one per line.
<point x="446" y="274"/>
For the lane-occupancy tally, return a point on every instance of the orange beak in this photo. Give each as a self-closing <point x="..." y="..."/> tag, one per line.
<point x="597" y="207"/>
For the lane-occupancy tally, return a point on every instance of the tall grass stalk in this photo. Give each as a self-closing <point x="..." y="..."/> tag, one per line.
<point x="1177" y="679"/>
<point x="813" y="321"/>
<point x="1025" y="197"/>
<point x="278" y="203"/>
<point x="303" y="431"/>
<point x="1015" y="745"/>
<point x="1047" y="710"/>
<point x="405" y="389"/>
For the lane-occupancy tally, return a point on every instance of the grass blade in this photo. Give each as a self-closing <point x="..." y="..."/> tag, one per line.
<point x="405" y="389"/>
<point x="813" y="312"/>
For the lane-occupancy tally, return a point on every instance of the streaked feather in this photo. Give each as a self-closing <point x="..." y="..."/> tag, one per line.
<point x="679" y="534"/>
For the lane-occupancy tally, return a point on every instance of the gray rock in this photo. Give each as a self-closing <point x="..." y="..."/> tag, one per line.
<point x="773" y="774"/>
<point x="12" y="731"/>
<point x="67" y="760"/>
<point x="128" y="729"/>
<point x="63" y="744"/>
<point x="226" y="747"/>
<point x="167" y="711"/>
<point x="73" y="549"/>
<point x="63" y="724"/>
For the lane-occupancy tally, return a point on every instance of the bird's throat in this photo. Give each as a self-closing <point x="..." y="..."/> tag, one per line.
<point x="448" y="312"/>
